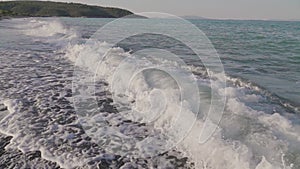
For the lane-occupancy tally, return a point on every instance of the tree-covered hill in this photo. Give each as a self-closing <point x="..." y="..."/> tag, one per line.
<point x="49" y="8"/>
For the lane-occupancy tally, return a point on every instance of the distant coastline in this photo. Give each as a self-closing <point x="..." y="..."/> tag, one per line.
<point x="20" y="9"/>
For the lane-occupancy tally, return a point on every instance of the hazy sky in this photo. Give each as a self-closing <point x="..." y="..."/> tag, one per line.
<point x="224" y="9"/>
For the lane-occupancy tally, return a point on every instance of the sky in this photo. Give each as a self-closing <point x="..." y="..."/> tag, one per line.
<point x="215" y="9"/>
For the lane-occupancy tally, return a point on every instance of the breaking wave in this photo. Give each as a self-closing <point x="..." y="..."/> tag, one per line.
<point x="254" y="132"/>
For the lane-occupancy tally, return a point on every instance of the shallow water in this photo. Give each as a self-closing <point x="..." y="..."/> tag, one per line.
<point x="42" y="100"/>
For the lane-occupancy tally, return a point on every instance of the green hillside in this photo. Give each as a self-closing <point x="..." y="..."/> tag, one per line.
<point x="49" y="8"/>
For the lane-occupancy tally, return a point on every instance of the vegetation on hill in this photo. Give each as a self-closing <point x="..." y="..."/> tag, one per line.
<point x="48" y="9"/>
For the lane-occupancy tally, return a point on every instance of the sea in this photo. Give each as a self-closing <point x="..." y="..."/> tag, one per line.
<point x="149" y="93"/>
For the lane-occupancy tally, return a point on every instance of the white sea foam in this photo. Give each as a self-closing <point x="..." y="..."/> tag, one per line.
<point x="259" y="150"/>
<point x="15" y="125"/>
<point x="246" y="138"/>
<point x="44" y="30"/>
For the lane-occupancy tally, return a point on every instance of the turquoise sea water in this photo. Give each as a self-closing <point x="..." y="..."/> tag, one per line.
<point x="264" y="52"/>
